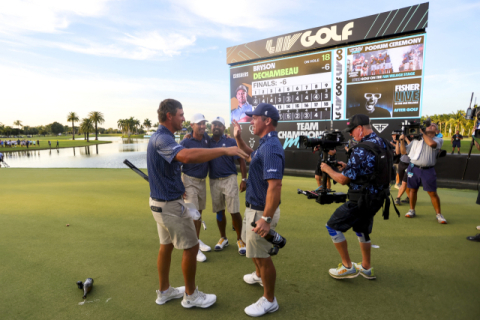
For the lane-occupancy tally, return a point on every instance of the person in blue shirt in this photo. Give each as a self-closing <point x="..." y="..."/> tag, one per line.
<point x="362" y="163"/>
<point x="264" y="186"/>
<point x="195" y="174"/>
<point x="174" y="223"/>
<point x="239" y="113"/>
<point x="224" y="187"/>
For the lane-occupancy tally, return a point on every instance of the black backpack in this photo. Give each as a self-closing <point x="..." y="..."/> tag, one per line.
<point x="384" y="172"/>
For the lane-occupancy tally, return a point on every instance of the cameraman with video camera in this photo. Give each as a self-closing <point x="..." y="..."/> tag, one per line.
<point x="368" y="174"/>
<point x="423" y="157"/>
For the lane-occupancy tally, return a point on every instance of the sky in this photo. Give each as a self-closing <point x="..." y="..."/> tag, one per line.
<point x="123" y="57"/>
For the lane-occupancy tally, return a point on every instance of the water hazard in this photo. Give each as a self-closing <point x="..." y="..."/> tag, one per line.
<point x="98" y="156"/>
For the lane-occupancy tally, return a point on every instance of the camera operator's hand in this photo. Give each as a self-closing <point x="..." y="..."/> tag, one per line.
<point x="325" y="168"/>
<point x="342" y="165"/>
<point x="262" y="228"/>
<point x="316" y="148"/>
<point x="402" y="137"/>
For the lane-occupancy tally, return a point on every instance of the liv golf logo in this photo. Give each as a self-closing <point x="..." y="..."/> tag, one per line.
<point x="380" y="126"/>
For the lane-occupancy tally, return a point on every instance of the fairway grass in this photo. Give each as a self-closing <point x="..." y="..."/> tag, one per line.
<point x="424" y="270"/>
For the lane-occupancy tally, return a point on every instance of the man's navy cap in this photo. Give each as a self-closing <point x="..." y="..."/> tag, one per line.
<point x="355" y="121"/>
<point x="265" y="109"/>
<point x="242" y="87"/>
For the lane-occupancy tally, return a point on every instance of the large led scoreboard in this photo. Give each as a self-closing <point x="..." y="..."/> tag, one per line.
<point x="318" y="78"/>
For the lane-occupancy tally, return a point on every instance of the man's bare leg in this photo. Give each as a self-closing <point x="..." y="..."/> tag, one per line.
<point x="342" y="249"/>
<point x="435" y="200"/>
<point x="237" y="224"/>
<point x="269" y="275"/>
<point x="319" y="180"/>
<point x="163" y="264"/>
<point x="366" y="250"/>
<point x="189" y="268"/>
<point x="402" y="189"/>
<point x="222" y="224"/>
<point x="413" y="198"/>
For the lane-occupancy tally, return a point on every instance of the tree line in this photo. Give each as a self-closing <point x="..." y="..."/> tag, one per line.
<point x="449" y="123"/>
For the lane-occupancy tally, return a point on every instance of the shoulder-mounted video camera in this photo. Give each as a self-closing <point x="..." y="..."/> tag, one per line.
<point x="397" y="134"/>
<point x="413" y="128"/>
<point x="473" y="114"/>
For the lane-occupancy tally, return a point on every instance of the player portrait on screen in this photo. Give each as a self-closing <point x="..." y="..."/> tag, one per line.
<point x="238" y="114"/>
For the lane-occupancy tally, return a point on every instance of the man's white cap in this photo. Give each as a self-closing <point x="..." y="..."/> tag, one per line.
<point x="219" y="119"/>
<point x="198" y="117"/>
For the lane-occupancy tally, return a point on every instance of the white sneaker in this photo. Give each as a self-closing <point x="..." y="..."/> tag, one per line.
<point x="410" y="214"/>
<point x="222" y="243"/>
<point x="441" y="219"/>
<point x="252" y="278"/>
<point x="203" y="246"/>
<point x="198" y="299"/>
<point x="242" y="248"/>
<point x="201" y="257"/>
<point x="341" y="272"/>
<point x="172" y="293"/>
<point x="261" y="307"/>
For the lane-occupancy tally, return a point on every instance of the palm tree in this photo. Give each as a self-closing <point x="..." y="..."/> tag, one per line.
<point x="18" y="123"/>
<point x="86" y="127"/>
<point x="96" y="117"/>
<point x="121" y="125"/>
<point x="147" y="124"/>
<point x="136" y="125"/>
<point x="442" y="119"/>
<point x="72" y="116"/>
<point x="458" y="119"/>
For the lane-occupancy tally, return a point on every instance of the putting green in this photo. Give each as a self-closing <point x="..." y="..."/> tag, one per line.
<point x="425" y="270"/>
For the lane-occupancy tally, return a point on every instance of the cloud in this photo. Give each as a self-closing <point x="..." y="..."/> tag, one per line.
<point x="256" y="14"/>
<point x="153" y="43"/>
<point x="46" y="16"/>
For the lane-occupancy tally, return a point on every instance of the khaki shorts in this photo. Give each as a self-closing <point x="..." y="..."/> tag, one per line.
<point x="174" y="224"/>
<point x="196" y="191"/>
<point x="257" y="247"/>
<point x="225" y="191"/>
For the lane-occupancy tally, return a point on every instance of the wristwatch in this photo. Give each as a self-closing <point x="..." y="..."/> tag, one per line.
<point x="267" y="219"/>
<point x="244" y="179"/>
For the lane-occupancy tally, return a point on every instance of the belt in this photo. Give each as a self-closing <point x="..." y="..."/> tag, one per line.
<point x="254" y="207"/>
<point x="224" y="178"/>
<point x="423" y="168"/>
<point x="161" y="200"/>
<point x="198" y="179"/>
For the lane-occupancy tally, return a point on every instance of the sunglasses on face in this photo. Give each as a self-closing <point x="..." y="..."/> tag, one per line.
<point x="374" y="95"/>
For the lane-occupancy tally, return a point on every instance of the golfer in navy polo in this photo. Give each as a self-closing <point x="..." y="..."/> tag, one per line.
<point x="195" y="174"/>
<point x="174" y="224"/>
<point x="224" y="188"/>
<point x="264" y="186"/>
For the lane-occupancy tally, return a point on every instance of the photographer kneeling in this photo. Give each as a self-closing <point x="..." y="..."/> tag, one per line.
<point x="421" y="171"/>
<point x="367" y="192"/>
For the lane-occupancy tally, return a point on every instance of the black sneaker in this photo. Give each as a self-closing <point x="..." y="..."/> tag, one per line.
<point x="458" y="152"/>
<point x="452" y="152"/>
<point x="397" y="202"/>
<point x="474" y="238"/>
<point x="406" y="200"/>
